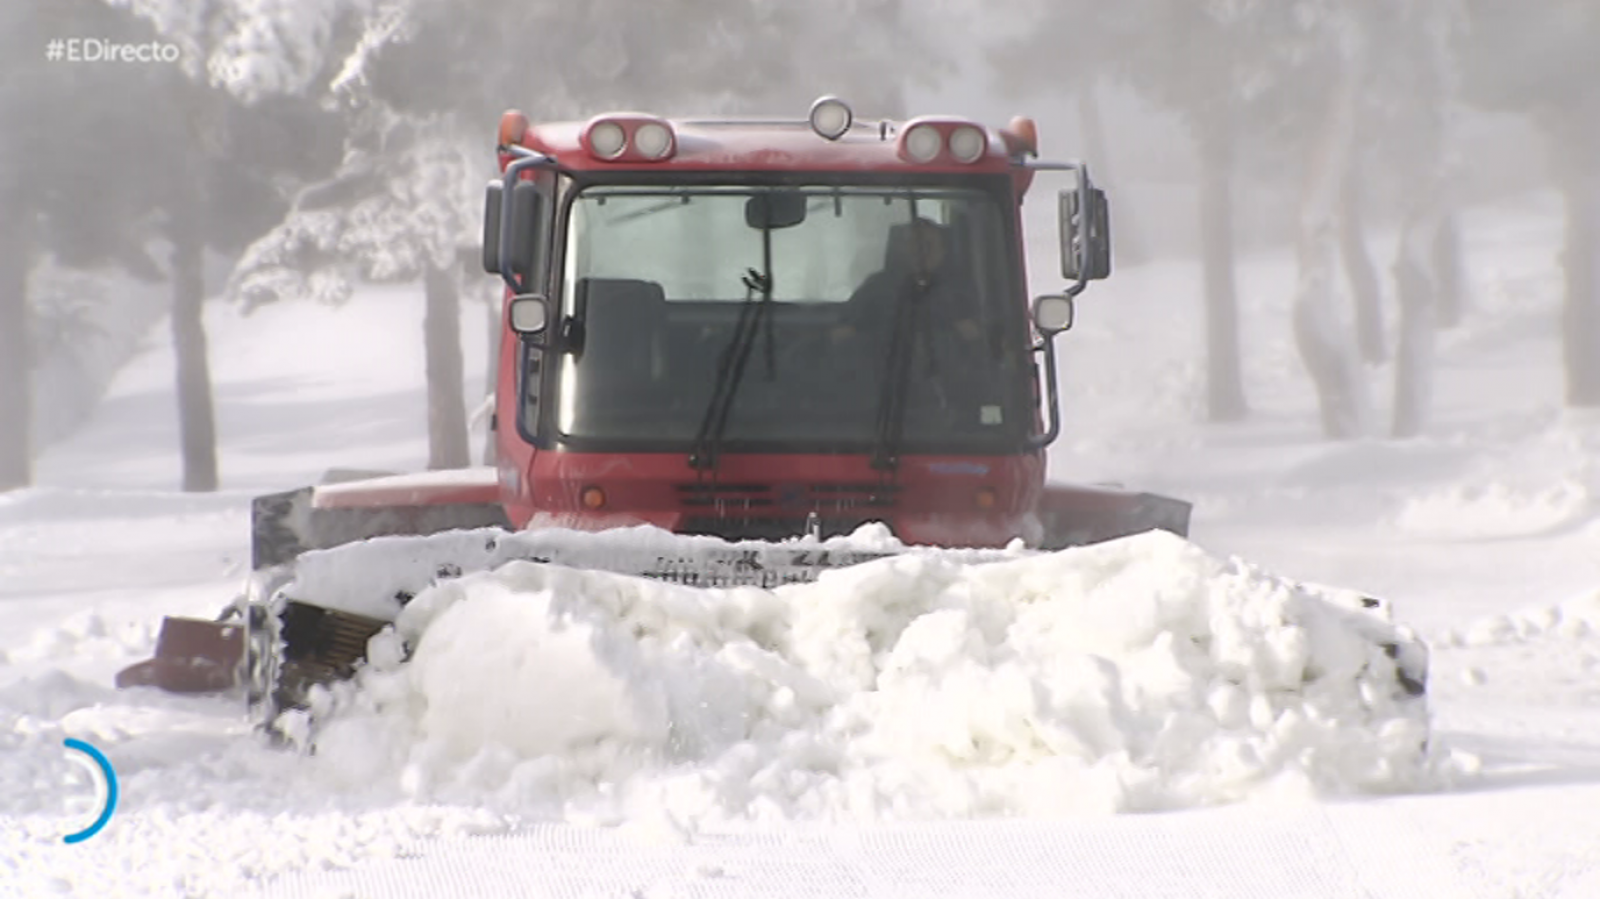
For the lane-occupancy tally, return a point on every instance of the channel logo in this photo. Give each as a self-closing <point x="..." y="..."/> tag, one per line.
<point x="99" y="768"/>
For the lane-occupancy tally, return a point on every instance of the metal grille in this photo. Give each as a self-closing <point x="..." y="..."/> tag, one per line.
<point x="320" y="646"/>
<point x="767" y="527"/>
<point x="771" y="569"/>
<point x="792" y="498"/>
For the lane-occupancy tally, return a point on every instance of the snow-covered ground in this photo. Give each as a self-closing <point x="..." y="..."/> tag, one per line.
<point x="914" y="727"/>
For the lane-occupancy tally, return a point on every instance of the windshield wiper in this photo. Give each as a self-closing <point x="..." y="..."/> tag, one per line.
<point x="730" y="368"/>
<point x="908" y="324"/>
<point x="897" y="380"/>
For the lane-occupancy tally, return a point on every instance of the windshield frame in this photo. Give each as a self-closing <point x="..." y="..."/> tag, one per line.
<point x="1009" y="284"/>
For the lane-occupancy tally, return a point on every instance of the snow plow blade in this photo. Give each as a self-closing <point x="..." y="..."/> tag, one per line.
<point x="192" y="656"/>
<point x="308" y="622"/>
<point x="285" y="525"/>
<point x="305" y="620"/>
<point x="199" y="656"/>
<point x="1074" y="515"/>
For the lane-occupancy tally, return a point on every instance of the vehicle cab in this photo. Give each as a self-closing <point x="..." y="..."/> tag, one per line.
<point x="756" y="328"/>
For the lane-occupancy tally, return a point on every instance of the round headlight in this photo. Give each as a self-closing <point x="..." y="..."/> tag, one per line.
<point x="607" y="139"/>
<point x="968" y="143"/>
<point x="652" y="139"/>
<point x="1053" y="313"/>
<point x="831" y="117"/>
<point x="922" y="143"/>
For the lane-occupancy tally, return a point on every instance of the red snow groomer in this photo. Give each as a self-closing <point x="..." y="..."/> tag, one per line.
<point x="752" y="330"/>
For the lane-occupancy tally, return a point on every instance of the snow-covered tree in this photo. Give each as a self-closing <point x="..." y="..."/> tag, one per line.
<point x="398" y="210"/>
<point x="422" y="82"/>
<point x="1539" y="61"/>
<point x="1378" y="76"/>
<point x="1326" y="346"/>
<point x="1197" y="60"/>
<point x="1411" y="113"/>
<point x="1282" y="91"/>
<point x="61" y="126"/>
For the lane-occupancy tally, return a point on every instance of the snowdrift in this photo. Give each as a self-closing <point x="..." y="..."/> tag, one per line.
<point x="1134" y="675"/>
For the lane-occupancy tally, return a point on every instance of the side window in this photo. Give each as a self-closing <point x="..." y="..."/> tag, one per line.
<point x="542" y="244"/>
<point x="530" y="358"/>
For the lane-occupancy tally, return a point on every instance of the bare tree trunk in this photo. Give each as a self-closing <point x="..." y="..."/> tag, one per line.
<point x="1449" y="269"/>
<point x="448" y="446"/>
<point x="1581" y="310"/>
<point x="16" y="366"/>
<point x="1225" y="398"/>
<point x="1413" y="372"/>
<point x="197" y="429"/>
<point x="1362" y="275"/>
<point x="1324" y="343"/>
<point x="1427" y="267"/>
<point x="1129" y="247"/>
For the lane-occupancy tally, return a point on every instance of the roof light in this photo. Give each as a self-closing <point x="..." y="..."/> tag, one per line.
<point x="967" y="143"/>
<point x="607" y="139"/>
<point x="831" y="117"/>
<point x="922" y="143"/>
<point x="1021" y="137"/>
<point x="653" y="139"/>
<point x="513" y="126"/>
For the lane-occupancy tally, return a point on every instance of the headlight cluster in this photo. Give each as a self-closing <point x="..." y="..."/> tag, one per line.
<point x="633" y="138"/>
<point x="926" y="141"/>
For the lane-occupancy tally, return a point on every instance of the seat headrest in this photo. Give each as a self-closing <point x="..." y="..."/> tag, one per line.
<point x="899" y="252"/>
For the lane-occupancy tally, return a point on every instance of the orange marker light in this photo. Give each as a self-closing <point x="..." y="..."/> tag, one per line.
<point x="513" y="127"/>
<point x="593" y="498"/>
<point x="1021" y="137"/>
<point x="986" y="498"/>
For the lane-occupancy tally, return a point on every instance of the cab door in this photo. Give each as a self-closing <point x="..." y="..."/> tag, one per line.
<point x="522" y="384"/>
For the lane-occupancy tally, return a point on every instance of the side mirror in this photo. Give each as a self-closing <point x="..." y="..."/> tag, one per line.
<point x="1085" y="234"/>
<point x="523" y="222"/>
<point x="1053" y="313"/>
<point x="530" y="314"/>
<point x="775" y="209"/>
<point x="491" y="227"/>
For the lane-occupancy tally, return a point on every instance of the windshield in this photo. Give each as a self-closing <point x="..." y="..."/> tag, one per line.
<point x="658" y="277"/>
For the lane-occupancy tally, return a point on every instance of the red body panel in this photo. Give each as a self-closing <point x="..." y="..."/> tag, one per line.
<point x="434" y="488"/>
<point x="977" y="501"/>
<point x="736" y="147"/>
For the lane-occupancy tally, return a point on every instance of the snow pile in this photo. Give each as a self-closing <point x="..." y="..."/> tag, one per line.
<point x="1495" y="509"/>
<point x="1134" y="675"/>
<point x="1544" y="479"/>
<point x="1576" y="619"/>
<point x="83" y="635"/>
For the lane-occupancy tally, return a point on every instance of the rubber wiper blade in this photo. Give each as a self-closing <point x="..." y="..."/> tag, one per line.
<point x="897" y="380"/>
<point x="730" y="370"/>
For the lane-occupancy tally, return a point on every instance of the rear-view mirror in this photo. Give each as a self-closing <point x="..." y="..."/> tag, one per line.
<point x="530" y="314"/>
<point x="491" y="228"/>
<point x="524" y="224"/>
<point x="1053" y="313"/>
<point x="1085" y="235"/>
<point x="775" y="209"/>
